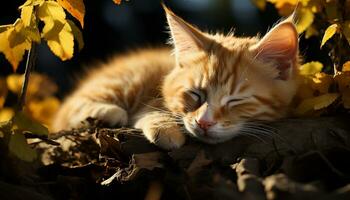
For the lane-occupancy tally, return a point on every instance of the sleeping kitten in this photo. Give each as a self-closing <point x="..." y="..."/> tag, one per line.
<point x="211" y="87"/>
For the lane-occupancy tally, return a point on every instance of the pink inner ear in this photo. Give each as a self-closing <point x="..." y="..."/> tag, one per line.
<point x="281" y="46"/>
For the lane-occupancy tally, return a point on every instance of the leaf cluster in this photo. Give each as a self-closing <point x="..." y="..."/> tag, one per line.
<point x="58" y="31"/>
<point x="329" y="20"/>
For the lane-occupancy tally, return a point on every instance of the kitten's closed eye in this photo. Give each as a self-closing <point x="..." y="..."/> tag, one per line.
<point x="197" y="98"/>
<point x="233" y="101"/>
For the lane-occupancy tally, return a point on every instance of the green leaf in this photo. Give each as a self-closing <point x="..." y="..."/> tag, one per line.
<point x="24" y="123"/>
<point x="78" y="35"/>
<point x="19" y="147"/>
<point x="311" y="68"/>
<point x="328" y="34"/>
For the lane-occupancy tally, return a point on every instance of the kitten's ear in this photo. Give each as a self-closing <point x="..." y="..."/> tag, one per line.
<point x="185" y="37"/>
<point x="280" y="45"/>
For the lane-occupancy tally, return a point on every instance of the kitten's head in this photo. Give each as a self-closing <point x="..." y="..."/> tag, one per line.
<point x="222" y="83"/>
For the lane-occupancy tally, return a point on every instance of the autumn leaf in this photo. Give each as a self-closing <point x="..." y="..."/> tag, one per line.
<point x="6" y="114"/>
<point x="3" y="91"/>
<point x="330" y="31"/>
<point x="117" y="1"/>
<point x="75" y="7"/>
<point x="346" y="66"/>
<point x="78" y="35"/>
<point x="346" y="30"/>
<point x="30" y="29"/>
<point x="51" y="10"/>
<point x="310" y="68"/>
<point x="26" y="14"/>
<point x="316" y="103"/>
<point x="284" y="7"/>
<point x="19" y="147"/>
<point x="13" y="44"/>
<point x="305" y="18"/>
<point x="321" y="82"/>
<point x="44" y="110"/>
<point x="60" y="39"/>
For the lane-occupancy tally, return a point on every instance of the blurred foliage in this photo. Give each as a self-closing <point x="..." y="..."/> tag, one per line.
<point x="40" y="102"/>
<point x="40" y="20"/>
<point x="329" y="20"/>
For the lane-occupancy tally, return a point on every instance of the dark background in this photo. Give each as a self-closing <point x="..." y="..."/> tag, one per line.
<point x="111" y="29"/>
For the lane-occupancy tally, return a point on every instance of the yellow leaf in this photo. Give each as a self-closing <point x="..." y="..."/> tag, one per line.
<point x="6" y="114"/>
<point x="305" y="18"/>
<point x="56" y="31"/>
<point x="316" y="103"/>
<point x="19" y="147"/>
<point x="51" y="10"/>
<point x="346" y="98"/>
<point x="261" y="4"/>
<point x="30" y="29"/>
<point x="346" y="30"/>
<point x="14" y="83"/>
<point x="44" y="110"/>
<point x="78" y="35"/>
<point x="346" y="67"/>
<point x="311" y="68"/>
<point x="26" y="15"/>
<point x="5" y="27"/>
<point x="31" y="3"/>
<point x="321" y="82"/>
<point x="60" y="39"/>
<point x="3" y="91"/>
<point x="330" y="31"/>
<point x="23" y="122"/>
<point x="284" y="7"/>
<point x="12" y="48"/>
<point x="39" y="86"/>
<point x="76" y="8"/>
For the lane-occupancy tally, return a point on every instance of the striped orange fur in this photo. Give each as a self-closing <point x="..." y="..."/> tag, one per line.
<point x="212" y="86"/>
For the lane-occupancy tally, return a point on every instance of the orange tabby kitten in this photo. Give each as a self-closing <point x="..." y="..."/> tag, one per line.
<point x="213" y="88"/>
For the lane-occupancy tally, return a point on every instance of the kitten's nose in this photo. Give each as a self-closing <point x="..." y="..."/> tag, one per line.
<point x="204" y="124"/>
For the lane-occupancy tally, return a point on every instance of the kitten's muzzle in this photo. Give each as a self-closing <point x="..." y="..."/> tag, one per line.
<point x="204" y="124"/>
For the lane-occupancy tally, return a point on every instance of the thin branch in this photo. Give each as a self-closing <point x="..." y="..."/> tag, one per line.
<point x="29" y="65"/>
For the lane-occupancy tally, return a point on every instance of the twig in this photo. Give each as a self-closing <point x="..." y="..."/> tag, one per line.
<point x="29" y="65"/>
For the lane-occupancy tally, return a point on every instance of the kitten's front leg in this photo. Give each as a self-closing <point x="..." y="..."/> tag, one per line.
<point x="161" y="129"/>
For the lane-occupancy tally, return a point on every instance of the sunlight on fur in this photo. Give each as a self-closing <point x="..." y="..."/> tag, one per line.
<point x="210" y="86"/>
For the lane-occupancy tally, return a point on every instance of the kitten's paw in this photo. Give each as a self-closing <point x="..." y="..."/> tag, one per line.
<point x="107" y="113"/>
<point x="168" y="137"/>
